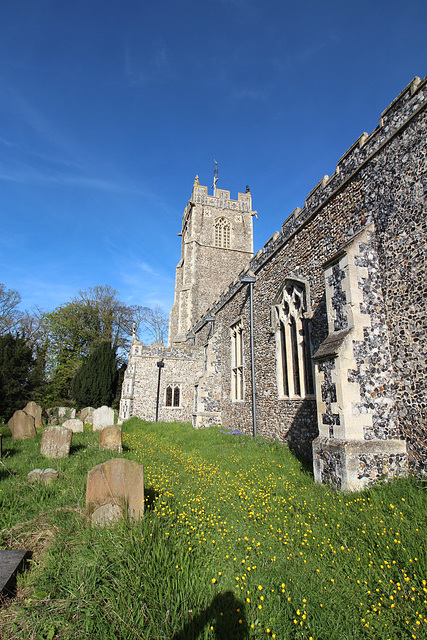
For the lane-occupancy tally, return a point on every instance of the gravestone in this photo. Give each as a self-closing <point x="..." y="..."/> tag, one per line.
<point x="103" y="417"/>
<point x="58" y="415"/>
<point x="22" y="425"/>
<point x="75" y="425"/>
<point x="12" y="561"/>
<point x="117" y="482"/>
<point x="35" y="410"/>
<point x="86" y="415"/>
<point x="110" y="438"/>
<point x="45" y="476"/>
<point x="56" y="442"/>
<point x="107" y="514"/>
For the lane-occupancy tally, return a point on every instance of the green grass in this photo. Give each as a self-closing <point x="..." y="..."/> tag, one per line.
<point x="237" y="541"/>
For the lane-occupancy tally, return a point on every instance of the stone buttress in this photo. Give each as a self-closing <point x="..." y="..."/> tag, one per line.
<point x="359" y="437"/>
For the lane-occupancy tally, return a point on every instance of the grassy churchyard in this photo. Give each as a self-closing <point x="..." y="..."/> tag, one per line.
<point x="237" y="542"/>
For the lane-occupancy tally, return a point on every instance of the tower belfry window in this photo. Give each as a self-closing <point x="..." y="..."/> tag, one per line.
<point x="222" y="233"/>
<point x="293" y="354"/>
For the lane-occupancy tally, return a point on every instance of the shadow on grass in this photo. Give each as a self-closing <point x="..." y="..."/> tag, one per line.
<point x="8" y="452"/>
<point x="150" y="497"/>
<point x="76" y="447"/>
<point x="225" y="615"/>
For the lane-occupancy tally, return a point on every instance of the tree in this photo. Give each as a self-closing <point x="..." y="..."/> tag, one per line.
<point x="10" y="315"/>
<point x="95" y="382"/>
<point x="18" y="376"/>
<point x="77" y="328"/>
<point x="154" y="322"/>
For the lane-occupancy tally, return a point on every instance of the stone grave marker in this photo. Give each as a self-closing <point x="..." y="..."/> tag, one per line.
<point x="45" y="476"/>
<point x="12" y="561"/>
<point x="75" y="425"/>
<point x="86" y="415"/>
<point x="103" y="417"/>
<point x="35" y="410"/>
<point x="22" y="426"/>
<point x="110" y="438"/>
<point x="118" y="483"/>
<point x="56" y="442"/>
<point x="57" y="415"/>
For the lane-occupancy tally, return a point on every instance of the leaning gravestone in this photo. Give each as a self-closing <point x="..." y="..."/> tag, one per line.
<point x="86" y="415"/>
<point x="34" y="410"/>
<point x="103" y="417"/>
<point x="110" y="438"/>
<point x="56" y="442"/>
<point x="22" y="425"/>
<point x="75" y="425"/>
<point x="118" y="483"/>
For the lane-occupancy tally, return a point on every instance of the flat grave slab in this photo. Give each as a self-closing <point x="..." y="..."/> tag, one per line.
<point x="11" y="562"/>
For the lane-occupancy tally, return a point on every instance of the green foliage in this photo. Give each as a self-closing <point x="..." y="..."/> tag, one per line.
<point x="19" y="376"/>
<point x="95" y="383"/>
<point x="237" y="541"/>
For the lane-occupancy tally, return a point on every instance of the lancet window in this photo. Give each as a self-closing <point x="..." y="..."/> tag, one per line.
<point x="237" y="384"/>
<point x="173" y="395"/>
<point x="222" y="233"/>
<point x="292" y="330"/>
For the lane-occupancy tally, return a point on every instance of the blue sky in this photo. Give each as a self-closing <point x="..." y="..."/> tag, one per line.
<point x="109" y="109"/>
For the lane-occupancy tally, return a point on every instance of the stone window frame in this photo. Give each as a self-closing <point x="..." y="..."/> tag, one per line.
<point x="175" y="392"/>
<point x="237" y="361"/>
<point x="222" y="233"/>
<point x="290" y="324"/>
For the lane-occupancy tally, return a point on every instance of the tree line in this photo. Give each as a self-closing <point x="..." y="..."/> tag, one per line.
<point x="74" y="355"/>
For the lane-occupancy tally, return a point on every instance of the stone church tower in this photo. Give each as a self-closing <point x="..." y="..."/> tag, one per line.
<point x="217" y="242"/>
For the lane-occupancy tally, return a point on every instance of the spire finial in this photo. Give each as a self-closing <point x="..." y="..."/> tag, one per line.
<point x="196" y="181"/>
<point x="215" y="180"/>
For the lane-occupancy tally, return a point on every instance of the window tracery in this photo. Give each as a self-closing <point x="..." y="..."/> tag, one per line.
<point x="222" y="233"/>
<point x="290" y="318"/>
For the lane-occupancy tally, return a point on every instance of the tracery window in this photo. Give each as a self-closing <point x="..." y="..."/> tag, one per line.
<point x="222" y="233"/>
<point x="173" y="395"/>
<point x="237" y="383"/>
<point x="293" y="354"/>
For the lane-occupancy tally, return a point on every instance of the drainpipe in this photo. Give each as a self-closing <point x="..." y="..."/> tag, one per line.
<point x="160" y="364"/>
<point x="250" y="280"/>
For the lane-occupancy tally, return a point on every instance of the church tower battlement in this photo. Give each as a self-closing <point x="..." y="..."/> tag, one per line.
<point x="217" y="243"/>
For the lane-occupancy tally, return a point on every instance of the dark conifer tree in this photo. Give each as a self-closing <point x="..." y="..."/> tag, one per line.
<point x="95" y="383"/>
<point x="17" y="374"/>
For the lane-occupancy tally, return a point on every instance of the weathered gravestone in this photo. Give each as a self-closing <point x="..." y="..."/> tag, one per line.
<point x="45" y="476"/>
<point x="118" y="483"/>
<point x="57" y="415"/>
<point x="86" y="415"/>
<point x="103" y="417"/>
<point x="22" y="425"/>
<point x="110" y="438"/>
<point x="34" y="410"/>
<point x="56" y="442"/>
<point x="75" y="425"/>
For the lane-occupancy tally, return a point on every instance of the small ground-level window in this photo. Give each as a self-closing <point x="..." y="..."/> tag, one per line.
<point x="173" y="395"/>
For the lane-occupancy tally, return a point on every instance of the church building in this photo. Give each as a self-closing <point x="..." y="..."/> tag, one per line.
<point x="319" y="339"/>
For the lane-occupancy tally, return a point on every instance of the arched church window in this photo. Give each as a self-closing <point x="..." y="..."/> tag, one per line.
<point x="237" y="380"/>
<point x="168" y="396"/>
<point x="222" y="233"/>
<point x="293" y="354"/>
<point x="173" y="395"/>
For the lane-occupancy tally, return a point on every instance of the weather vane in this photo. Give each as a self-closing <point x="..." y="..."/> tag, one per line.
<point x="215" y="180"/>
